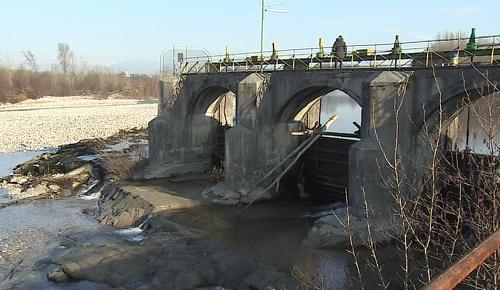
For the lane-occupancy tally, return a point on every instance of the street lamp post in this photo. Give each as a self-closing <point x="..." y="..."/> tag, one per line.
<point x="263" y="9"/>
<point x="266" y="8"/>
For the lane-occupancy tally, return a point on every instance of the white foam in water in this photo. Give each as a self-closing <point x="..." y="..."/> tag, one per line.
<point x="86" y="188"/>
<point x="130" y="231"/>
<point x="317" y="214"/>
<point x="136" y="239"/>
<point x="91" y="196"/>
<point x="329" y="211"/>
<point x="88" y="157"/>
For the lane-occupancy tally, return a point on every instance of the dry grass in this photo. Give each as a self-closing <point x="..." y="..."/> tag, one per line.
<point x="20" y="84"/>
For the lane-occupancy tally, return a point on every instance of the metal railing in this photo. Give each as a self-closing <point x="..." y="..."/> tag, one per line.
<point x="454" y="275"/>
<point x="413" y="54"/>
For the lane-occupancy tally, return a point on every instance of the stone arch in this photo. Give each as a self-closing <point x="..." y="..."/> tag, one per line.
<point x="206" y="132"/>
<point x="305" y="96"/>
<point x="454" y="101"/>
<point x="446" y="110"/>
<point x="327" y="177"/>
<point x="204" y="97"/>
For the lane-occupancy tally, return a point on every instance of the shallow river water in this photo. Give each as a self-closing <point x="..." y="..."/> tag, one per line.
<point x="270" y="232"/>
<point x="34" y="231"/>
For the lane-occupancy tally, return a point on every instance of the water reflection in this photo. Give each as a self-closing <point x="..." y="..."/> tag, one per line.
<point x="340" y="103"/>
<point x="484" y="127"/>
<point x="272" y="233"/>
<point x="8" y="161"/>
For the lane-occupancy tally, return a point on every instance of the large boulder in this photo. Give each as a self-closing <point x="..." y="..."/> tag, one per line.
<point x="337" y="230"/>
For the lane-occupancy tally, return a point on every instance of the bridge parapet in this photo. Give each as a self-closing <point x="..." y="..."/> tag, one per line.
<point x="381" y="56"/>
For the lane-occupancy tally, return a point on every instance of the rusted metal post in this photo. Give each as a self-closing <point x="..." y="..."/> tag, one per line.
<point x="352" y="57"/>
<point x="427" y="55"/>
<point x="246" y="62"/>
<point x="492" y="51"/>
<point x="461" y="269"/>
<point x="311" y="60"/>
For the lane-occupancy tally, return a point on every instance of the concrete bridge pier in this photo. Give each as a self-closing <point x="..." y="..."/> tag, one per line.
<point x="370" y="159"/>
<point x="241" y="141"/>
<point x="371" y="175"/>
<point x="256" y="144"/>
<point x="181" y="137"/>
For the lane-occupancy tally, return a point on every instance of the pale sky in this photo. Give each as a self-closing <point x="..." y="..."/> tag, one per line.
<point x="111" y="31"/>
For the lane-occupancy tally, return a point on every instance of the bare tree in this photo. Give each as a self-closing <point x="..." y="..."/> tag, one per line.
<point x="453" y="210"/>
<point x="64" y="55"/>
<point x="29" y="59"/>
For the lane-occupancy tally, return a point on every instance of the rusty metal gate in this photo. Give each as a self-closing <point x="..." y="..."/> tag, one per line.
<point x="220" y="147"/>
<point x="326" y="168"/>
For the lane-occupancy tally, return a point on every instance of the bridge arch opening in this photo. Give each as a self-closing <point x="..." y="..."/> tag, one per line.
<point x="469" y="147"/>
<point x="463" y="176"/>
<point x="212" y="113"/>
<point x="322" y="173"/>
<point x="475" y="127"/>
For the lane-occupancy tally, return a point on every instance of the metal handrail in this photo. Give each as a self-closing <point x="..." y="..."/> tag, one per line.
<point x="256" y="53"/>
<point x="454" y="275"/>
<point x="374" y="56"/>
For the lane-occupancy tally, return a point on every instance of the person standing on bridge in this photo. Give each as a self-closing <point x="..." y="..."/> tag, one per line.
<point x="339" y="50"/>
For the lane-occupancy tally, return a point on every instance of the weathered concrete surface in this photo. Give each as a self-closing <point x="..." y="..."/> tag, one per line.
<point x="400" y="111"/>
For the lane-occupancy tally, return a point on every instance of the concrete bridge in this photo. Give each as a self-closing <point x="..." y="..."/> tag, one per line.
<point x="409" y="93"/>
<point x="402" y="110"/>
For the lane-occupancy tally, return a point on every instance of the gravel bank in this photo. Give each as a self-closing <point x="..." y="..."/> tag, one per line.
<point x="54" y="121"/>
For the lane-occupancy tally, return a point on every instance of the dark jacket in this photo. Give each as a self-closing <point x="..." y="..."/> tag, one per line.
<point x="339" y="48"/>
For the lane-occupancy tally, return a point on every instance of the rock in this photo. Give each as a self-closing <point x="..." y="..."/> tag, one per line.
<point x="124" y="219"/>
<point x="120" y="208"/>
<point x="256" y="194"/>
<point x="87" y="210"/>
<point x="73" y="179"/>
<point x="50" y="185"/>
<point x="58" y="275"/>
<point x="222" y="194"/>
<point x="19" y="179"/>
<point x="332" y="230"/>
<point x="169" y="261"/>
<point x="226" y="201"/>
<point x="267" y="279"/>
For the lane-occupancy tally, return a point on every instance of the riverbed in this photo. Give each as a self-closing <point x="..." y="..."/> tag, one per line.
<point x="34" y="234"/>
<point x="272" y="233"/>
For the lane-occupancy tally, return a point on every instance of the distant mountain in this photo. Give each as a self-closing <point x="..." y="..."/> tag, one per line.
<point x="137" y="66"/>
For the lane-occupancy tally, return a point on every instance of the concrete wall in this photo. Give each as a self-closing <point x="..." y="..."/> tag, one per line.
<point x="398" y="107"/>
